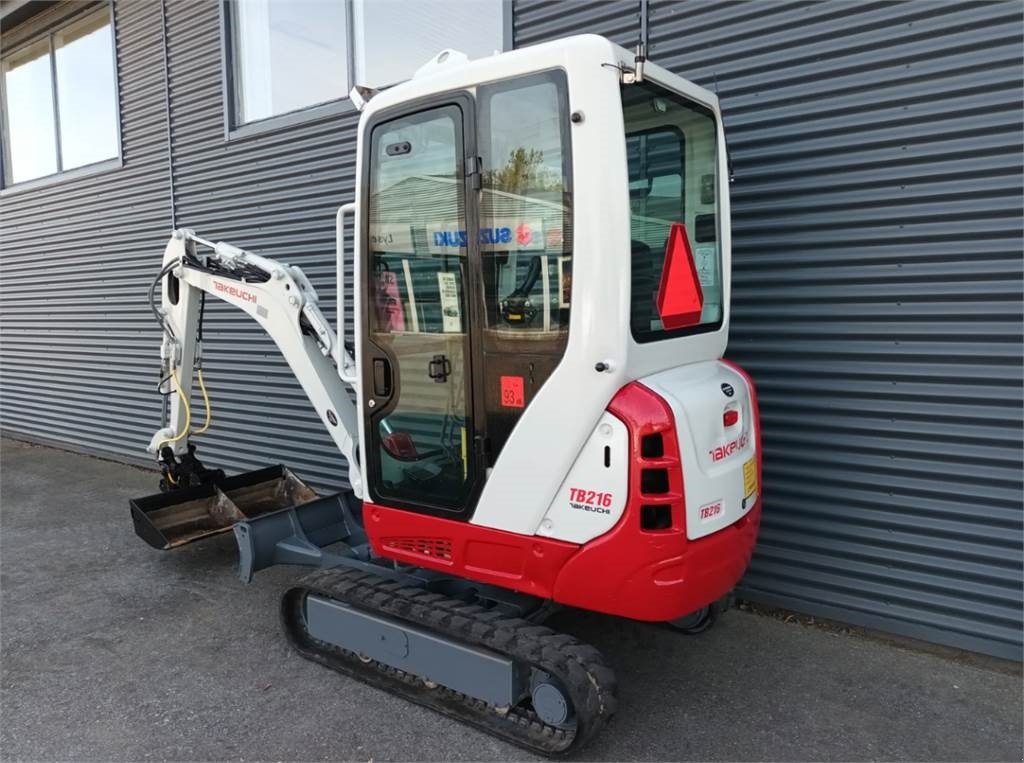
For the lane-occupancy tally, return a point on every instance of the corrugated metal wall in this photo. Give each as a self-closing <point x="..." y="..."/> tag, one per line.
<point x="78" y="339"/>
<point x="877" y="302"/>
<point x="274" y="194"/>
<point x="877" y="230"/>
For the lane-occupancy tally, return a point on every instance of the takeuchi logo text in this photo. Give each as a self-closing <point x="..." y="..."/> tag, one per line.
<point x="724" y="451"/>
<point x="234" y="291"/>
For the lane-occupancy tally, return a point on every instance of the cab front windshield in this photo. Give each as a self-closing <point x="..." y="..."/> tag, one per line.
<point x="672" y="157"/>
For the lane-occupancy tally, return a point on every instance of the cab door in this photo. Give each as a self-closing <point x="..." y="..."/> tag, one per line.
<point x="421" y="234"/>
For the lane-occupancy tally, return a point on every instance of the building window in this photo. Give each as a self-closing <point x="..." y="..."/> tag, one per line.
<point x="289" y="55"/>
<point x="60" y="101"/>
<point x="393" y="38"/>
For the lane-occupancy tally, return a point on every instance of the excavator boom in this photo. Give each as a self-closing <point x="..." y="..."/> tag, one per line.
<point x="279" y="298"/>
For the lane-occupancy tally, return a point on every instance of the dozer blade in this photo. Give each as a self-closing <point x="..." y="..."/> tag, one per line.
<point x="300" y="534"/>
<point x="176" y="518"/>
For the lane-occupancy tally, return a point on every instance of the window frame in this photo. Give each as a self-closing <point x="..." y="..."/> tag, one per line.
<point x="235" y="130"/>
<point x="103" y="165"/>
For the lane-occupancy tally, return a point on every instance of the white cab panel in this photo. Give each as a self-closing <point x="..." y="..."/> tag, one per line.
<point x="717" y="459"/>
<point x="593" y="496"/>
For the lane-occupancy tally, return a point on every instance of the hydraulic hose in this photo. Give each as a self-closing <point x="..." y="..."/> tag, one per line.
<point x="188" y="413"/>
<point x="206" y="402"/>
<point x="152" y="298"/>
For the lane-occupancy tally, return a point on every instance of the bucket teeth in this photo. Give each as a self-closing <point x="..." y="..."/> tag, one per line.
<point x="578" y="669"/>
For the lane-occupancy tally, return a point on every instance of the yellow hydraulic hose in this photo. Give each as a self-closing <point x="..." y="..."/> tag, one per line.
<point x="206" y="402"/>
<point x="188" y="414"/>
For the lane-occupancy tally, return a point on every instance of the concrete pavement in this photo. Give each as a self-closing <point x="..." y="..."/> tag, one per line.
<point x="110" y="650"/>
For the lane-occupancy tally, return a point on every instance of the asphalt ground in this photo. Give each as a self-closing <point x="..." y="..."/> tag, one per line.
<point x="110" y="650"/>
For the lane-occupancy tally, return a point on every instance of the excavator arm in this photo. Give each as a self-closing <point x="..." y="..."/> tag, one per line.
<point x="277" y="296"/>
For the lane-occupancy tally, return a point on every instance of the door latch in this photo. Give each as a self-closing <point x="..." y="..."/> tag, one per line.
<point x="439" y="369"/>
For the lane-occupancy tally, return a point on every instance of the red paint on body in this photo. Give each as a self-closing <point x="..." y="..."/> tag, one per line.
<point x="653" y="575"/>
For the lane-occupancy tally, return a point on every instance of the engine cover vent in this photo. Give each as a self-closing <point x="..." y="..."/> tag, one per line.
<point x="436" y="548"/>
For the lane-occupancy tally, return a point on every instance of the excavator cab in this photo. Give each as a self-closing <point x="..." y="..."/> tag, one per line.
<point x="541" y="413"/>
<point x="517" y="219"/>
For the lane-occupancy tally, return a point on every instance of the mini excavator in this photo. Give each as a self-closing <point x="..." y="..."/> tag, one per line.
<point x="534" y="408"/>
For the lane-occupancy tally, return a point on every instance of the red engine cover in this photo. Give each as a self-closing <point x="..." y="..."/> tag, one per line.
<point x="655" y="574"/>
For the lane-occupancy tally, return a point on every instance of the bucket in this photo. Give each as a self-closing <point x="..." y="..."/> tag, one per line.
<point x="179" y="517"/>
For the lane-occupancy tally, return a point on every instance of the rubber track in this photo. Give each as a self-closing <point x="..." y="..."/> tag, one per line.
<point x="580" y="667"/>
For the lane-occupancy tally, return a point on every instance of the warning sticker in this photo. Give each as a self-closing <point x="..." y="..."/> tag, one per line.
<point x="750" y="478"/>
<point x="512" y="392"/>
<point x="707" y="266"/>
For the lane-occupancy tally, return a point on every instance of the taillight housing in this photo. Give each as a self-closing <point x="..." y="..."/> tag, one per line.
<point x="656" y="472"/>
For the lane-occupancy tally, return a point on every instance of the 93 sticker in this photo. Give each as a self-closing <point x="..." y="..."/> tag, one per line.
<point x="512" y="395"/>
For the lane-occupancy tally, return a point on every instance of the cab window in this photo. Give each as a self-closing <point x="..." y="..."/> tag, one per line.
<point x="672" y="158"/>
<point x="525" y="223"/>
<point x="525" y="241"/>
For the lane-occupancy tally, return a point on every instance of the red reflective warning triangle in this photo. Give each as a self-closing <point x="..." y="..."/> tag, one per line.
<point x="680" y="299"/>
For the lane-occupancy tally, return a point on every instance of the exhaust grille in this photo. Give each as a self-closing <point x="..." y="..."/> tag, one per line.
<point x="436" y="548"/>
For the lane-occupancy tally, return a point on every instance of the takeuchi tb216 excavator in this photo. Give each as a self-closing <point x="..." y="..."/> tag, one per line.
<point x="534" y="409"/>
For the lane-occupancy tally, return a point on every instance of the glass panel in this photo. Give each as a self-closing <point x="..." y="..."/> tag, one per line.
<point x="31" y="142"/>
<point x="672" y="154"/>
<point x="289" y="54"/>
<point x="525" y="236"/>
<point x="525" y="241"/>
<point x="418" y="311"/>
<point x="86" y="91"/>
<point x="396" y="37"/>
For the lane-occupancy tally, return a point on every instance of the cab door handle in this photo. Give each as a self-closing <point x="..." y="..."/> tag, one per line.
<point x="381" y="377"/>
<point x="439" y="369"/>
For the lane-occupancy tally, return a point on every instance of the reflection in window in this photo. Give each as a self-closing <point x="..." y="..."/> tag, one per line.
<point x="418" y="225"/>
<point x="393" y="38"/>
<point x="289" y="54"/>
<point x="55" y="125"/>
<point x="28" y="114"/>
<point x="525" y="242"/>
<point x="85" y="79"/>
<point x="418" y="323"/>
<point x="525" y="236"/>
<point x="672" y="153"/>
